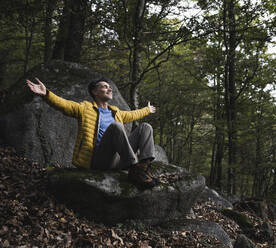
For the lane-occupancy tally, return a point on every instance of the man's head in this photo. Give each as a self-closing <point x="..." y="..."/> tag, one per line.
<point x="100" y="90"/>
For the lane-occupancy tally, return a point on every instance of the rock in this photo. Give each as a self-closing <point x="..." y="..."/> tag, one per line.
<point x="232" y="198"/>
<point x="267" y="232"/>
<point x="243" y="242"/>
<point x="160" y="155"/>
<point x="272" y="211"/>
<point x="258" y="206"/>
<point x="212" y="195"/>
<point x="108" y="197"/>
<point x="36" y="130"/>
<point x="207" y="227"/>
<point x="191" y="214"/>
<point x="241" y="219"/>
<point x="271" y="194"/>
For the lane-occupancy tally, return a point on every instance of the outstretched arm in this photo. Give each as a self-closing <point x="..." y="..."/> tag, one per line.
<point x="152" y="109"/>
<point x="128" y="116"/>
<point x="68" y="107"/>
<point x="39" y="88"/>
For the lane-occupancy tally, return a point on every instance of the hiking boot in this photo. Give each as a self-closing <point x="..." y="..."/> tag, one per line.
<point x="148" y="171"/>
<point x="148" y="168"/>
<point x="140" y="175"/>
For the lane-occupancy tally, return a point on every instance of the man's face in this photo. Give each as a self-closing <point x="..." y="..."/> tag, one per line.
<point x="103" y="92"/>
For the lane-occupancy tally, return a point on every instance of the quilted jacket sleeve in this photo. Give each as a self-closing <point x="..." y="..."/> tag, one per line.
<point x="129" y="116"/>
<point x="67" y="107"/>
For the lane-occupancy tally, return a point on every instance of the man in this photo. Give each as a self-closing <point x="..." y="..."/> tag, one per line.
<point x="102" y="142"/>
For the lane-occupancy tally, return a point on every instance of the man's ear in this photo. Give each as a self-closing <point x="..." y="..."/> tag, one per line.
<point x="94" y="92"/>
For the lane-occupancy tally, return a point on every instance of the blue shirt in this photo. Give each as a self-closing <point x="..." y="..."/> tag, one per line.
<point x="105" y="119"/>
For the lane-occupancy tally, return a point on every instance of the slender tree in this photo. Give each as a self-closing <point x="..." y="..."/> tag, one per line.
<point x="239" y="26"/>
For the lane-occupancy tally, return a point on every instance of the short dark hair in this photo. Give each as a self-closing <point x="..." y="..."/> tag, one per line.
<point x="95" y="83"/>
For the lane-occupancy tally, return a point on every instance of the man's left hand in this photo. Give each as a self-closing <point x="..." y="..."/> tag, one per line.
<point x="151" y="108"/>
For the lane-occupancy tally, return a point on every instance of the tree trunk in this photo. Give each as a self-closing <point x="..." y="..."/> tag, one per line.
<point x="49" y="9"/>
<point x="29" y="31"/>
<point x="71" y="31"/>
<point x="212" y="174"/>
<point x="76" y="31"/>
<point x="218" y="158"/>
<point x="256" y="182"/>
<point x="218" y="150"/>
<point x="3" y="64"/>
<point x="136" y="65"/>
<point x="160" y="104"/>
<point x="261" y="180"/>
<point x="63" y="29"/>
<point x="134" y="96"/>
<point x="190" y="143"/>
<point x="230" y="91"/>
<point x="161" y="134"/>
<point x="218" y="146"/>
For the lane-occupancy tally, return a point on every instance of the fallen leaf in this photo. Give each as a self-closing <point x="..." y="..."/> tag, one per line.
<point x="6" y="244"/>
<point x="144" y="244"/>
<point x="115" y="236"/>
<point x="63" y="220"/>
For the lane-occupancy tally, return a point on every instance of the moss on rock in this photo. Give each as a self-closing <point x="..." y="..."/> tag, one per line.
<point x="109" y="197"/>
<point x="241" y="219"/>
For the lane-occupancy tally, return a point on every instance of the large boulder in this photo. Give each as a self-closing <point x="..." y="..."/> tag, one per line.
<point x="258" y="206"/>
<point x="207" y="227"/>
<point x="267" y="232"/>
<point x="36" y="130"/>
<point x="243" y="242"/>
<point x="108" y="197"/>
<point x="160" y="155"/>
<point x="272" y="211"/>
<point x="209" y="194"/>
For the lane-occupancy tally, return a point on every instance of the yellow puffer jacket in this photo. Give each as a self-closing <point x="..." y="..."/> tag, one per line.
<point x="88" y="117"/>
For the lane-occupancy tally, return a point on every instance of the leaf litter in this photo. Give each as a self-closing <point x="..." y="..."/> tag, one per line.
<point x="31" y="217"/>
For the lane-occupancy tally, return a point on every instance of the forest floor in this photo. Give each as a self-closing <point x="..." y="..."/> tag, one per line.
<point x="31" y="217"/>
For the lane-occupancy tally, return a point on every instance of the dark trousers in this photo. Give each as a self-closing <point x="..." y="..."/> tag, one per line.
<point x="117" y="151"/>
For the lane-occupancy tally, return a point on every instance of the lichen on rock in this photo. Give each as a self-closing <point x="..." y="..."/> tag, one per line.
<point x="109" y="197"/>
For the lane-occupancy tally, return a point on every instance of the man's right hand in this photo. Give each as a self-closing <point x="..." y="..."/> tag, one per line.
<point x="39" y="88"/>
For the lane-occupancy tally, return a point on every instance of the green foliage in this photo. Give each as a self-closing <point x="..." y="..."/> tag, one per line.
<point x="181" y="94"/>
<point x="21" y="45"/>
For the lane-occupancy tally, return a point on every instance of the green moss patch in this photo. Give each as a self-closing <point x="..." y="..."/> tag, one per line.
<point x="241" y="219"/>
